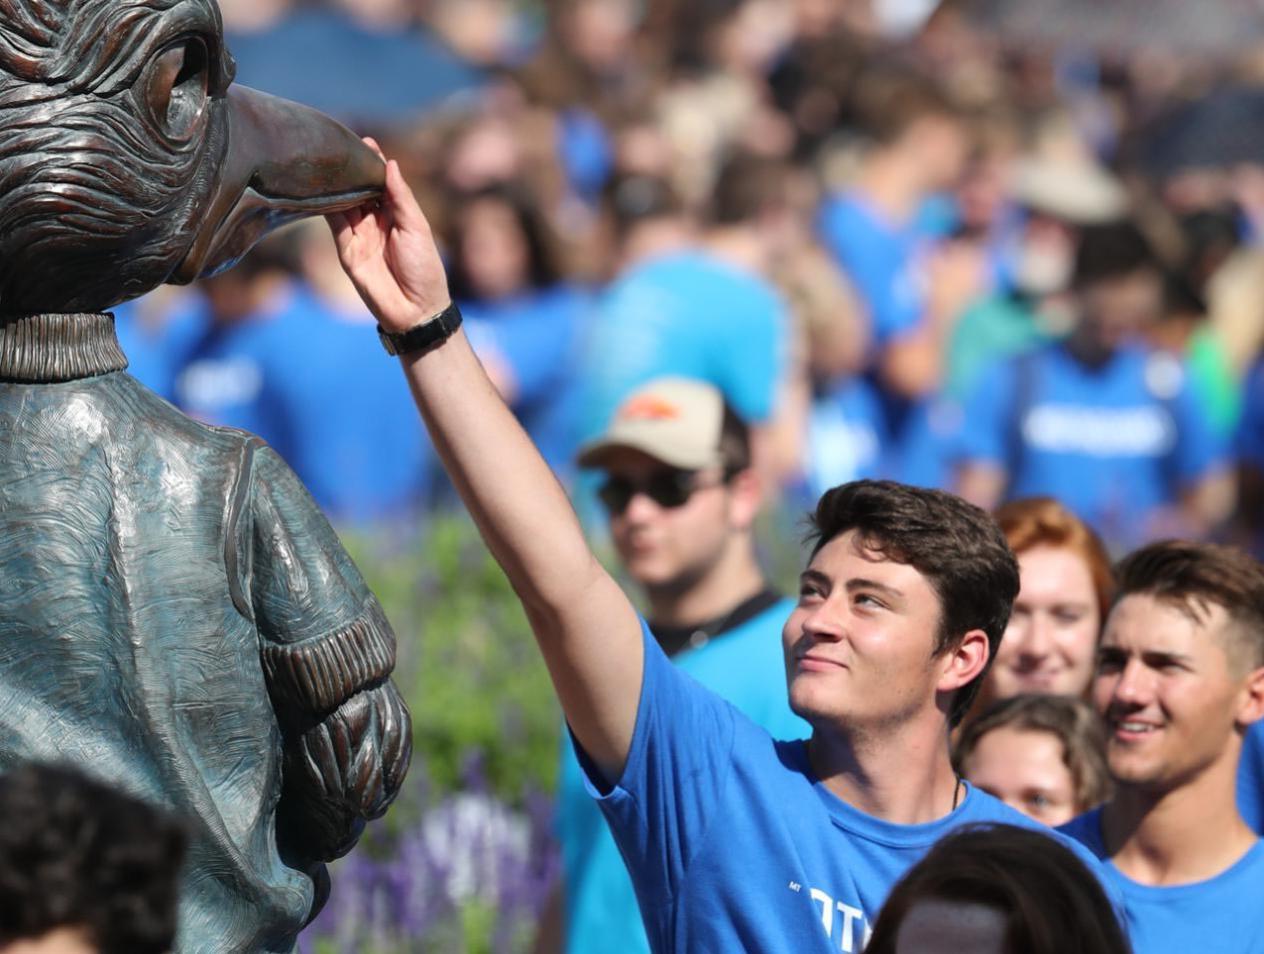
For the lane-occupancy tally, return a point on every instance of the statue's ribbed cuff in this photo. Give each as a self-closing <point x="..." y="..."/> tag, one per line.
<point x="316" y="676"/>
<point x="43" y="349"/>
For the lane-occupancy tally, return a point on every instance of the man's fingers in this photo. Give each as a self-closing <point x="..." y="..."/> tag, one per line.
<point x="372" y="144"/>
<point x="404" y="209"/>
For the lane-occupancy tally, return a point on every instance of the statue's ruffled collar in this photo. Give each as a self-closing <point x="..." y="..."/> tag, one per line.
<point x="43" y="349"/>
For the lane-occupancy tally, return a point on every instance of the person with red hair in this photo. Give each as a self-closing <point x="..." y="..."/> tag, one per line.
<point x="1066" y="588"/>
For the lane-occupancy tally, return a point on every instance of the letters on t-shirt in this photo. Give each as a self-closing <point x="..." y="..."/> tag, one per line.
<point x="1138" y="431"/>
<point x="853" y="928"/>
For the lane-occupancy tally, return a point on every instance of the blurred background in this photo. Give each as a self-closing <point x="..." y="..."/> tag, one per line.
<point x="955" y="243"/>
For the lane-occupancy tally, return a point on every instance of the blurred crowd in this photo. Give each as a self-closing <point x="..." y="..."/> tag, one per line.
<point x="902" y="242"/>
<point x="901" y="239"/>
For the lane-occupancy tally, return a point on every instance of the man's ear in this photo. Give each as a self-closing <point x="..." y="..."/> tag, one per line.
<point x="1251" y="708"/>
<point x="746" y="496"/>
<point x="961" y="665"/>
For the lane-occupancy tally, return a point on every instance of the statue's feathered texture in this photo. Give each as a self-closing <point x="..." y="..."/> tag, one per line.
<point x="117" y="159"/>
<point x="97" y="199"/>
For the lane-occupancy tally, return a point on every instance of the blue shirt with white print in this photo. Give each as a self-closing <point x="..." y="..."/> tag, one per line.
<point x="1224" y="914"/>
<point x="734" y="845"/>
<point x="1115" y="443"/>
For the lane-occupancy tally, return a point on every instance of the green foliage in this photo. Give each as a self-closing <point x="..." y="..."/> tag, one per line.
<point x="468" y="665"/>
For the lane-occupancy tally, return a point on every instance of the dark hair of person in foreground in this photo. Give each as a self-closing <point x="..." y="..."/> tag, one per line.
<point x="1048" y="900"/>
<point x="77" y="854"/>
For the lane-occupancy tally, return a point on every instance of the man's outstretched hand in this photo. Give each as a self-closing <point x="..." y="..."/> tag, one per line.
<point x="389" y="252"/>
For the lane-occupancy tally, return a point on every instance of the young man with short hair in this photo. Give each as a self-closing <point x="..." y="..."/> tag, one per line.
<point x="1180" y="680"/>
<point x="733" y="841"/>
<point x="1102" y="420"/>
<point x="681" y="500"/>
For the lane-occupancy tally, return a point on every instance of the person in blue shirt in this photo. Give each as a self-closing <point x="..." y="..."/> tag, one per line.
<point x="894" y="233"/>
<point x="681" y="501"/>
<point x="1180" y="680"/>
<point x="1101" y="420"/>
<point x="267" y="347"/>
<point x="687" y="302"/>
<point x="734" y="841"/>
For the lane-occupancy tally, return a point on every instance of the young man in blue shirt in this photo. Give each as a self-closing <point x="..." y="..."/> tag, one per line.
<point x="1102" y="421"/>
<point x="734" y="842"/>
<point x="681" y="500"/>
<point x="1180" y="681"/>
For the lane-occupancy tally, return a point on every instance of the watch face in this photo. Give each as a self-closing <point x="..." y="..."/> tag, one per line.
<point x="387" y="341"/>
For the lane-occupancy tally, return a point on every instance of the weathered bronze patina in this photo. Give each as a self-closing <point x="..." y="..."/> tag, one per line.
<point x="176" y="615"/>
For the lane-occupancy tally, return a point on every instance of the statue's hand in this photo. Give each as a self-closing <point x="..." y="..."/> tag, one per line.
<point x="389" y="252"/>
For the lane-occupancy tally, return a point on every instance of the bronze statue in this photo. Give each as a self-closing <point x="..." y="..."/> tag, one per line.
<point x="176" y="615"/>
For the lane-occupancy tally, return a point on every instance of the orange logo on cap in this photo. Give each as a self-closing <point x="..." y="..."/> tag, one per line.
<point x="647" y="407"/>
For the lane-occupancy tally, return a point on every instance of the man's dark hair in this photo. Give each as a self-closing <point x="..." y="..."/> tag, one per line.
<point x="735" y="446"/>
<point x="749" y="185"/>
<point x="1050" y="900"/>
<point x="888" y="100"/>
<point x="955" y="545"/>
<point x="1192" y="576"/>
<point x="1107" y="252"/>
<point x="77" y="854"/>
<point x="633" y="199"/>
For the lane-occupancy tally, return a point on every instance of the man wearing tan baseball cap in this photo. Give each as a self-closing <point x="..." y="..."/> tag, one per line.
<point x="681" y="499"/>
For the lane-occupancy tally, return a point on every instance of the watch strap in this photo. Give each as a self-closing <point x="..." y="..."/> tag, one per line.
<point x="423" y="337"/>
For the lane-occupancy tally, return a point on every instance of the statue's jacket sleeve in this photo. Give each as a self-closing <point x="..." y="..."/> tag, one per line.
<point x="327" y="653"/>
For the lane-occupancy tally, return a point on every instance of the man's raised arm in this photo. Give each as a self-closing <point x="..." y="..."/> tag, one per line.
<point x="587" y="629"/>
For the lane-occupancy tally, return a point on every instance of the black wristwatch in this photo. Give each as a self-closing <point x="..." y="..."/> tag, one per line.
<point x="423" y="337"/>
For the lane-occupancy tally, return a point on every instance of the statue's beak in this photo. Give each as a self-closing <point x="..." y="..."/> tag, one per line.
<point x="284" y="162"/>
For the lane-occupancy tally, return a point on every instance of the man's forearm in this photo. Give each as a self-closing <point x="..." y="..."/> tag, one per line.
<point x="521" y="510"/>
<point x="587" y="628"/>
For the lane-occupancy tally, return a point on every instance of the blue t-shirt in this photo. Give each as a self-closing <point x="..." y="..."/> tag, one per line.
<point x="692" y="315"/>
<point x="156" y="332"/>
<point x="1251" y="778"/>
<point x="741" y="666"/>
<point x="886" y="260"/>
<point x="1224" y="914"/>
<point x="846" y="437"/>
<point x="734" y="845"/>
<point x="1114" y="443"/>
<point x="360" y="450"/>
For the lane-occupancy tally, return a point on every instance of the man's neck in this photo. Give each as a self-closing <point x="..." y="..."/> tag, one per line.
<point x="893" y="185"/>
<point x="732" y="581"/>
<point x="1191" y="833"/>
<point x="905" y="777"/>
<point x="739" y="246"/>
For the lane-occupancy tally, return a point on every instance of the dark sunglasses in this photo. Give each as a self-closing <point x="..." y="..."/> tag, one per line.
<point x="668" y="488"/>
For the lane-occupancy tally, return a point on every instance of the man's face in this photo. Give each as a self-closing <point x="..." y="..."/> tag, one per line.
<point x="945" y="146"/>
<point x="1169" y="692"/>
<point x="664" y="546"/>
<point x="860" y="644"/>
<point x="1116" y="310"/>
